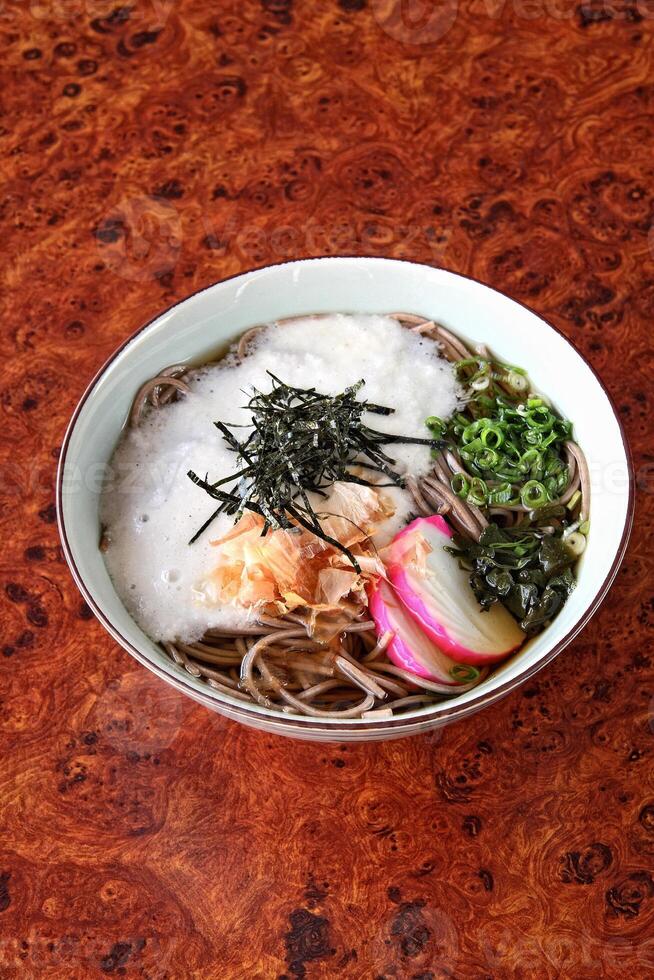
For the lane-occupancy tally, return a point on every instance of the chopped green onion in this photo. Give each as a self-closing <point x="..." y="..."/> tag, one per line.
<point x="469" y="434"/>
<point x="469" y="361"/>
<point x="492" y="436"/>
<point x="529" y="459"/>
<point x="460" y="485"/>
<point x="552" y="486"/>
<point x="478" y="492"/>
<point x="464" y="673"/>
<point x="503" y="494"/>
<point x="575" y="543"/>
<point x="517" y="381"/>
<point x="473" y="447"/>
<point x="435" y="424"/>
<point x="513" y="454"/>
<point x="574" y="500"/>
<point x="534" y="494"/>
<point x="487" y="460"/>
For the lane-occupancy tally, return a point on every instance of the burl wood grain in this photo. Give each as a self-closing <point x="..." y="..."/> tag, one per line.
<point x="148" y="150"/>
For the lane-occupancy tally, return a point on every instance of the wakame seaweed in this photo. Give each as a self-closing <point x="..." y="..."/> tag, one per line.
<point x="302" y="442"/>
<point x="526" y="569"/>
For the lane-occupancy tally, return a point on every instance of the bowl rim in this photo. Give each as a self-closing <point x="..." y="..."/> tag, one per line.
<point x="439" y="714"/>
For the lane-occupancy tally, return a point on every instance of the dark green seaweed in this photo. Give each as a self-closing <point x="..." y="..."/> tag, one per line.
<point x="526" y="569"/>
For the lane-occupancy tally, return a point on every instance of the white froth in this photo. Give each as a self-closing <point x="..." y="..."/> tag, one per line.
<point x="151" y="509"/>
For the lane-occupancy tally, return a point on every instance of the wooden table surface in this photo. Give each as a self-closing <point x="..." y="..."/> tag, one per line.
<point x="151" y="149"/>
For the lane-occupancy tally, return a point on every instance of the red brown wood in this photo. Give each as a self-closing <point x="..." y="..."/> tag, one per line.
<point x="149" y="150"/>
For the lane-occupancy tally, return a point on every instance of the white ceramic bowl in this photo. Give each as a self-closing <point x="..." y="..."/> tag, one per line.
<point x="197" y="326"/>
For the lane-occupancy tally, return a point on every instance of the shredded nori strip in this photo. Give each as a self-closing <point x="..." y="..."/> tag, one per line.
<point x="301" y="442"/>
